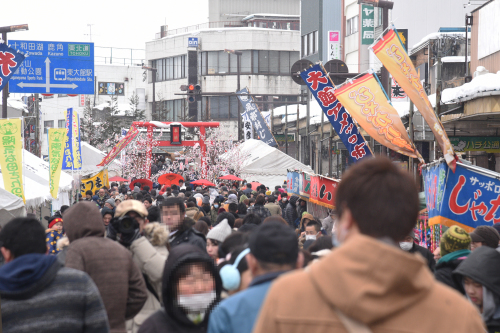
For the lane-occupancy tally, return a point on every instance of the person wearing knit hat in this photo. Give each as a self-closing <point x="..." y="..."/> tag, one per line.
<point x="216" y="236"/>
<point x="54" y="233"/>
<point x="454" y="245"/>
<point x="110" y="203"/>
<point x="484" y="236"/>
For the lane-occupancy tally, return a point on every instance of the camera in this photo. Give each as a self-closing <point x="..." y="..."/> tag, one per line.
<point x="125" y="224"/>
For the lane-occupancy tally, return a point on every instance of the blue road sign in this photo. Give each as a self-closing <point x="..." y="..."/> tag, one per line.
<point x="192" y="41"/>
<point x="54" y="68"/>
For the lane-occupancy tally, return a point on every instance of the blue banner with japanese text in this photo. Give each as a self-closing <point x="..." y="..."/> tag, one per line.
<point x="322" y="89"/>
<point x="72" y="159"/>
<point x="258" y="122"/>
<point x="467" y="198"/>
<point x="10" y="60"/>
<point x="68" y="149"/>
<point x="293" y="182"/>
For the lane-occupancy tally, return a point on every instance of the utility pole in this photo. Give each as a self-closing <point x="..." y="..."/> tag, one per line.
<point x="307" y="147"/>
<point x="297" y="146"/>
<point x="438" y="79"/>
<point x="410" y="124"/>
<point x="286" y="129"/>
<point x="38" y="149"/>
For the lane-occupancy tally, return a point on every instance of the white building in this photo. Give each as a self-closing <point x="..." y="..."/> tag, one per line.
<point x="267" y="55"/>
<point x="110" y="80"/>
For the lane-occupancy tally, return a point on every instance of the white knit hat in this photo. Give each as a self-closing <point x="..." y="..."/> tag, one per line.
<point x="220" y="231"/>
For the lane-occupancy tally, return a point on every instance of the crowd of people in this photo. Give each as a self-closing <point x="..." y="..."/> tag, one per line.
<point x="231" y="258"/>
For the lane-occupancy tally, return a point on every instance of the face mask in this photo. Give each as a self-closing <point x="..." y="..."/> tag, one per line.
<point x="308" y="237"/>
<point x="196" y="303"/>
<point x="284" y="199"/>
<point x="216" y="206"/>
<point x="405" y="246"/>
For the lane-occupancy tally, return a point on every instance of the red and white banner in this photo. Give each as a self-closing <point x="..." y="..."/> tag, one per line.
<point x="323" y="191"/>
<point x="131" y="134"/>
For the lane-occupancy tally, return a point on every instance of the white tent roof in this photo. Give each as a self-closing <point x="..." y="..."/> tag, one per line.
<point x="34" y="193"/>
<point x="38" y="170"/>
<point x="267" y="165"/>
<point x="11" y="206"/>
<point x="92" y="156"/>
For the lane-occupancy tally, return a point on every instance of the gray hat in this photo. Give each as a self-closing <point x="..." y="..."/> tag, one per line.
<point x="111" y="202"/>
<point x="199" y="189"/>
<point x="220" y="231"/>
<point x="232" y="198"/>
<point x="137" y="189"/>
<point x="205" y="200"/>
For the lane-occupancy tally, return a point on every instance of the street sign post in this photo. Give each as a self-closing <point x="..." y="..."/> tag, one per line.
<point x="54" y="68"/>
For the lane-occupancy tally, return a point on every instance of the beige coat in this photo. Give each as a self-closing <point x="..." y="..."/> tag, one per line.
<point x="149" y="253"/>
<point x="274" y="208"/>
<point x="369" y="281"/>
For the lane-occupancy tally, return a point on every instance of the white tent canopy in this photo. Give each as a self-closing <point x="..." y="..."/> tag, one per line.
<point x="11" y="206"/>
<point x="267" y="165"/>
<point x="92" y="156"/>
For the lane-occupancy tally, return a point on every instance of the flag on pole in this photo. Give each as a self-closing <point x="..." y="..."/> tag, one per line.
<point x="57" y="142"/>
<point x="11" y="156"/>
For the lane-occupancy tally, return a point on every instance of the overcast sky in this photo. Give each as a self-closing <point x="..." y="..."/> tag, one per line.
<point x="125" y="23"/>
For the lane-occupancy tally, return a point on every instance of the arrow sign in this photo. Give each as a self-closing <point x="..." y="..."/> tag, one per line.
<point x="47" y="85"/>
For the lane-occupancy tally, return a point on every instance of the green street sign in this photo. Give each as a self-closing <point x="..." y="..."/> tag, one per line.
<point x="367" y="24"/>
<point x="79" y="50"/>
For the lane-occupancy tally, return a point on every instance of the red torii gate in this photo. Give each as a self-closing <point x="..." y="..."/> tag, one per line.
<point x="150" y="126"/>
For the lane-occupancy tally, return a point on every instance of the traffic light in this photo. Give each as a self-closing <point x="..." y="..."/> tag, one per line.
<point x="193" y="90"/>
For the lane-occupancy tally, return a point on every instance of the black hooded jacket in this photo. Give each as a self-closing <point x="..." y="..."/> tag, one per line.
<point x="483" y="266"/>
<point x="291" y="211"/>
<point x="171" y="318"/>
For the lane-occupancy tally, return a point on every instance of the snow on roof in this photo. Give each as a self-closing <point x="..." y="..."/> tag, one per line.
<point x="269" y="15"/>
<point x="123" y="108"/>
<point x="436" y="35"/>
<point x="482" y="85"/>
<point x="17" y="104"/>
<point x="455" y="59"/>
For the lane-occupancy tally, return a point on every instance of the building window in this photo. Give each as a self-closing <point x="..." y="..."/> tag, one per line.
<point x="46" y="125"/>
<point x="378" y="16"/>
<point x="316" y="41"/>
<point x="61" y="123"/>
<point x="304" y="46"/>
<point x="172" y="68"/>
<point x="352" y="25"/>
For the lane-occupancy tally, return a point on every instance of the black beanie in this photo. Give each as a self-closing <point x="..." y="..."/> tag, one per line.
<point x="487" y="235"/>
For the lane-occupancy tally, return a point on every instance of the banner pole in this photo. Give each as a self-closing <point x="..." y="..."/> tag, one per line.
<point x="24" y="173"/>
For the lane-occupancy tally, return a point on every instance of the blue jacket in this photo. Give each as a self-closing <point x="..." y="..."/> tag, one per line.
<point x="239" y="312"/>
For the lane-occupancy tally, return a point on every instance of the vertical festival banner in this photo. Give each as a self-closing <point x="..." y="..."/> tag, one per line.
<point x="131" y="134"/>
<point x="77" y="145"/>
<point x="293" y="182"/>
<point x="322" y="89"/>
<point x="11" y="160"/>
<point x="263" y="131"/>
<point x="57" y="142"/>
<point x="393" y="56"/>
<point x="68" y="146"/>
<point x="10" y="60"/>
<point x="367" y="103"/>
<point x="247" y="126"/>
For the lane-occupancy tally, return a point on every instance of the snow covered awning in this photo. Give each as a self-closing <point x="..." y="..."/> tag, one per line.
<point x="480" y="86"/>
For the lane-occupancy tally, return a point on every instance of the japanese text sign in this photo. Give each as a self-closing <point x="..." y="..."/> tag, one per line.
<point x="72" y="159"/>
<point x="175" y="134"/>
<point x="131" y="134"/>
<point x="323" y="191"/>
<point x="247" y="126"/>
<point x="11" y="156"/>
<point x="10" y="60"/>
<point x="305" y="185"/>
<point x="256" y="118"/>
<point x="292" y="183"/>
<point x="334" y="45"/>
<point x="393" y="56"/>
<point x="474" y="143"/>
<point x="54" y="68"/>
<point x="367" y="24"/>
<point x="466" y="198"/>
<point x="322" y="89"/>
<point x="57" y="143"/>
<point x="95" y="183"/>
<point x="368" y="105"/>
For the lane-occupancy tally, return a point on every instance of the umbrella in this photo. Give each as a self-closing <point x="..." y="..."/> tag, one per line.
<point x="143" y="182"/>
<point x="255" y="185"/>
<point x="202" y="182"/>
<point x="230" y="177"/>
<point x="117" y="179"/>
<point x="169" y="179"/>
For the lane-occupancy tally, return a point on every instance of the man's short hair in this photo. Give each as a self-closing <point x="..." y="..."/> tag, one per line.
<point x="146" y="188"/>
<point x="260" y="200"/>
<point x="232" y="207"/>
<point x="252" y="219"/>
<point x="89" y="192"/>
<point x="225" y="215"/>
<point x="382" y="199"/>
<point x="173" y="201"/>
<point x="23" y="235"/>
<point x="148" y="199"/>
<point x="249" y="185"/>
<point x="271" y="198"/>
<point x="153" y="214"/>
<point x="315" y="224"/>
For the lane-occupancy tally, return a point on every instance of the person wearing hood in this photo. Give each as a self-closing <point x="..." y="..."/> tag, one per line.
<point x="480" y="276"/>
<point x="173" y="214"/>
<point x="214" y="211"/>
<point x="454" y="246"/>
<point x="205" y="205"/>
<point x="39" y="294"/>
<point x="367" y="284"/>
<point x="191" y="288"/>
<point x="409" y="245"/>
<point x="108" y="263"/>
<point x="291" y="211"/>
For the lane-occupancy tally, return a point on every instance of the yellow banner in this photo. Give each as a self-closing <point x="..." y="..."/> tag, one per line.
<point x="366" y="102"/>
<point x="393" y="56"/>
<point x="11" y="156"/>
<point x="57" y="142"/>
<point x="95" y="183"/>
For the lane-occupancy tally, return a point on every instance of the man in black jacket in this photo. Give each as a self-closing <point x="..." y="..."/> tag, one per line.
<point x="173" y="214"/>
<point x="291" y="211"/>
<point x="408" y="244"/>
